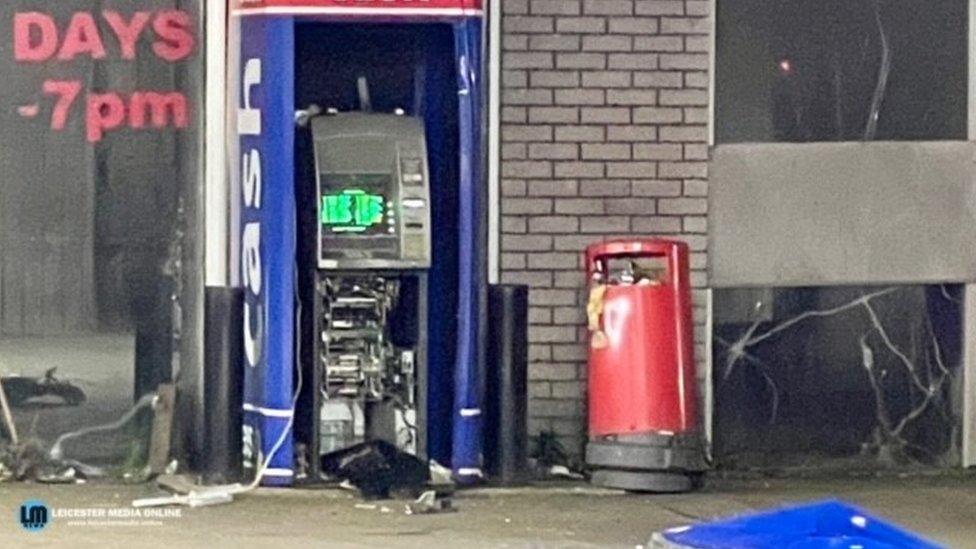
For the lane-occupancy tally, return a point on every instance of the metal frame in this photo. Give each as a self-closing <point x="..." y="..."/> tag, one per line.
<point x="494" y="138"/>
<point x="968" y="442"/>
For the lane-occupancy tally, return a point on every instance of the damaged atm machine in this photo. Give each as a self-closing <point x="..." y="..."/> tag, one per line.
<point x="358" y="162"/>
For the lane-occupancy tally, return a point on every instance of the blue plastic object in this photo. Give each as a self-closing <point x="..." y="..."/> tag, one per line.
<point x="828" y="524"/>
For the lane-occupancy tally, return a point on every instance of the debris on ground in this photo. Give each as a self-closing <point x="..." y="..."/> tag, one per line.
<point x="22" y="391"/>
<point x="378" y="468"/>
<point x="428" y="503"/>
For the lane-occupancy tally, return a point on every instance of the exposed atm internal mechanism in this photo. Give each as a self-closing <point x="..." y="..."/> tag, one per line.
<point x="369" y="309"/>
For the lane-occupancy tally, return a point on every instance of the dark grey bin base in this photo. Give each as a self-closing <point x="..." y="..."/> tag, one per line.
<point x="646" y="463"/>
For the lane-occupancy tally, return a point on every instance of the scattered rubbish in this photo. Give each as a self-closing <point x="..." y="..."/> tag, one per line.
<point x="367" y="506"/>
<point x="428" y="503"/>
<point x="439" y="474"/>
<point x="198" y="498"/>
<point x="8" y="418"/>
<point x="561" y="471"/>
<point x="813" y="526"/>
<point x="23" y="390"/>
<point x="378" y="468"/>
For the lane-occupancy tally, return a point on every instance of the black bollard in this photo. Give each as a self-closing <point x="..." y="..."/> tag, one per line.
<point x="506" y="399"/>
<point x="222" y="460"/>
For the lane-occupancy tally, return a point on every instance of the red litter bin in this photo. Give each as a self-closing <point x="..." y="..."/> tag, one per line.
<point x="643" y="405"/>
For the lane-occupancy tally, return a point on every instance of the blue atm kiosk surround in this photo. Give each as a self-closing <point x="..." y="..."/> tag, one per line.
<point x="324" y="218"/>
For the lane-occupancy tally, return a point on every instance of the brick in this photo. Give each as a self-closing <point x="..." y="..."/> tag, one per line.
<point x="606" y="79"/>
<point x="684" y="133"/>
<point x="555" y="408"/>
<point x="515" y="42"/>
<point x="550" y="334"/>
<point x="539" y="352"/>
<point x="554" y="151"/>
<point x="632" y="97"/>
<point x="696" y="79"/>
<point x="526" y="243"/>
<point x="574" y="242"/>
<point x="632" y="61"/>
<point x="698" y="261"/>
<point x="539" y="389"/>
<point x="659" y="43"/>
<point x="684" y="97"/>
<point x="555" y="42"/>
<point x="656" y="187"/>
<point x="581" y="60"/>
<point x="520" y="24"/>
<point x="579" y="169"/>
<point x="605" y="151"/>
<point x="553" y="371"/>
<point x="514" y="114"/>
<point x="656" y="115"/>
<point x="580" y="97"/>
<point x="634" y="25"/>
<point x="695" y="151"/>
<point x="540" y="315"/>
<point x="660" y="7"/>
<point x="567" y="353"/>
<point x="604" y="187"/>
<point x="697" y="44"/>
<point x="657" y="151"/>
<point x="605" y="224"/>
<point x="569" y="279"/>
<point x="516" y="132"/>
<point x="656" y="225"/>
<point x="513" y="187"/>
<point x="553" y="297"/>
<point x="553" y="114"/>
<point x="554" y="79"/>
<point x="685" y="25"/>
<point x="631" y="134"/>
<point x="554" y="261"/>
<point x="515" y="6"/>
<point x="696" y="115"/>
<point x="697" y="7"/>
<point x="608" y="7"/>
<point x="631" y="206"/>
<point x="526" y="206"/>
<point x="555" y="224"/>
<point x="605" y="115"/>
<point x="695" y="224"/>
<point x="635" y="169"/>
<point x="569" y="390"/>
<point x="581" y="25"/>
<point x="527" y="168"/>
<point x="579" y="206"/>
<point x="509" y="261"/>
<point x="527" y="96"/>
<point x="683" y="169"/>
<point x="527" y="60"/>
<point x="658" y="79"/>
<point x="607" y="42"/>
<point x="513" y="151"/>
<point x="550" y="187"/>
<point x="534" y="279"/>
<point x="580" y="134"/>
<point x="554" y="7"/>
<point x="684" y="61"/>
<point x="515" y="79"/>
<point x="696" y="187"/>
<point x="683" y="206"/>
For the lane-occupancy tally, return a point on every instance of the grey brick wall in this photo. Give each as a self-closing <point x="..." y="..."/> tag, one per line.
<point x="604" y="112"/>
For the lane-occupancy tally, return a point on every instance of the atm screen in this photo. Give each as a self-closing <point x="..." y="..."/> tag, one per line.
<point x="356" y="205"/>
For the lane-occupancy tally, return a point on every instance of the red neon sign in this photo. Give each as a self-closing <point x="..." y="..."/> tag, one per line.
<point x="362" y="7"/>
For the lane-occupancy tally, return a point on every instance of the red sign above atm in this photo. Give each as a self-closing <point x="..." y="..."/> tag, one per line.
<point x="361" y="8"/>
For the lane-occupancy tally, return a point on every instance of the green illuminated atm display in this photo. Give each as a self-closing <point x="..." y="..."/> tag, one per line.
<point x="352" y="210"/>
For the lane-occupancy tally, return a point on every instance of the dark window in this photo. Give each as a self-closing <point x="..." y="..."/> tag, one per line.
<point x="820" y="70"/>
